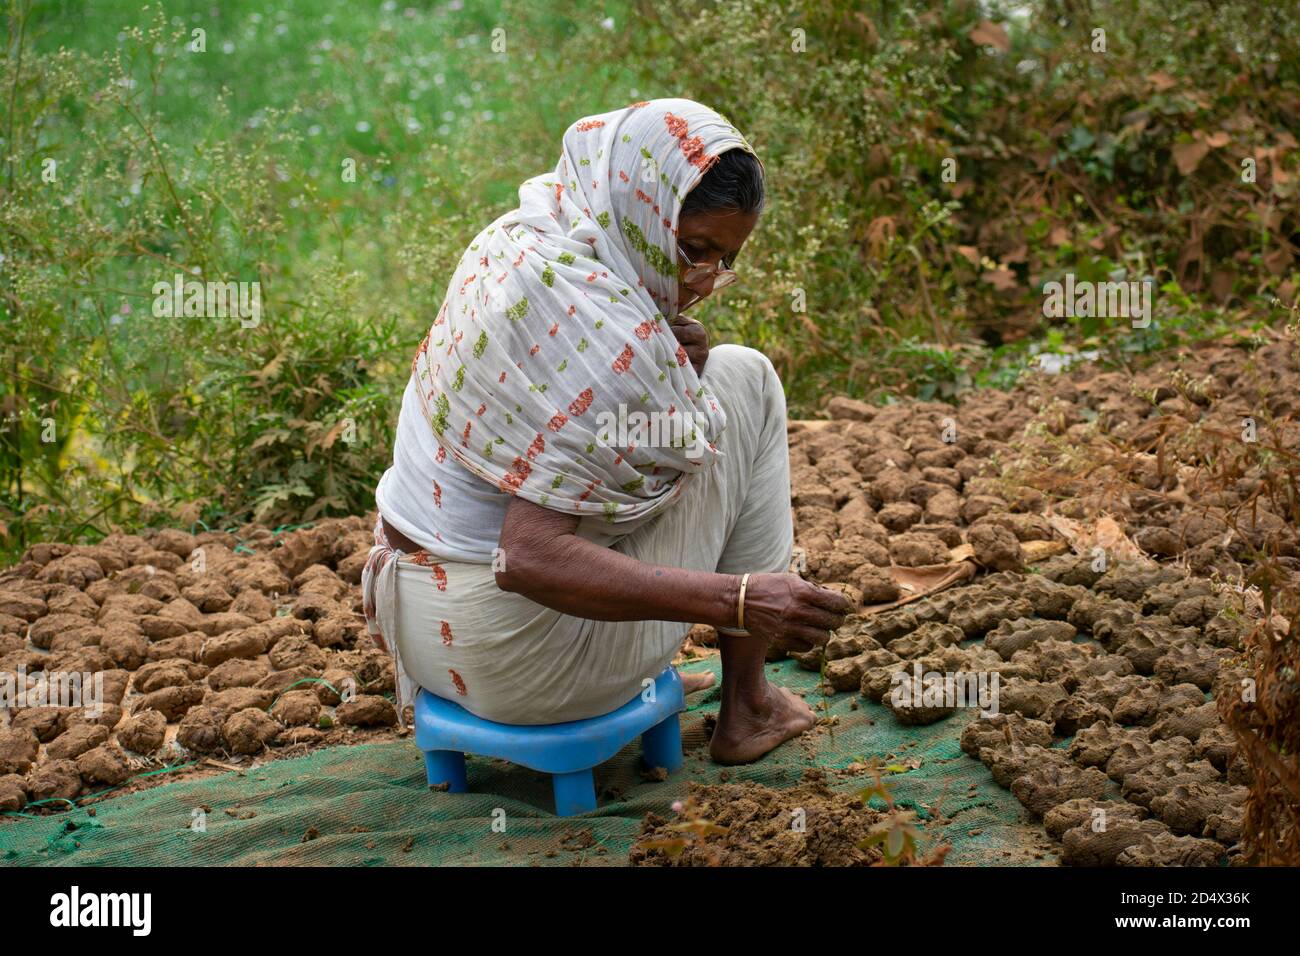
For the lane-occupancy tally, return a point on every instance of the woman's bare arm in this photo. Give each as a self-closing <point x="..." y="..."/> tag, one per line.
<point x="545" y="561"/>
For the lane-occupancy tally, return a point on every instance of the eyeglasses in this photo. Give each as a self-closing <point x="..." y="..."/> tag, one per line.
<point x="721" y="274"/>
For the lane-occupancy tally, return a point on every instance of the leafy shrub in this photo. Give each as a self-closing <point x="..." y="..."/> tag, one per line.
<point x="116" y="416"/>
<point x="1118" y="164"/>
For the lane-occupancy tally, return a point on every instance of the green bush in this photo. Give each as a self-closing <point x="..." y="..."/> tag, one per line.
<point x="1122" y="163"/>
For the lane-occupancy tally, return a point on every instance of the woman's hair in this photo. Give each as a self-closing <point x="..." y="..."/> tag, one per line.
<point x="734" y="181"/>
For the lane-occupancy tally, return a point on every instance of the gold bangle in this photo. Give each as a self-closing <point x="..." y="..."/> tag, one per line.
<point x="740" y="605"/>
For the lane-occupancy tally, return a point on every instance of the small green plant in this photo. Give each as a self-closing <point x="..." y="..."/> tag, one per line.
<point x="695" y="832"/>
<point x="897" y="835"/>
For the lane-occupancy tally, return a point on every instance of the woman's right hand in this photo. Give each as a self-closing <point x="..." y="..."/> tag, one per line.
<point x="792" y="613"/>
<point x="694" y="338"/>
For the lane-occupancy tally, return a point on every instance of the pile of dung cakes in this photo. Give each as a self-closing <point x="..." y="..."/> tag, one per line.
<point x="1103" y="704"/>
<point x="181" y="646"/>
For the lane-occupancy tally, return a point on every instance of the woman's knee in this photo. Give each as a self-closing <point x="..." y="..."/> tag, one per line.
<point x="741" y="364"/>
<point x="750" y="391"/>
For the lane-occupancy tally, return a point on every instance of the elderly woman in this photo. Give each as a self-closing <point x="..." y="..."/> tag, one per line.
<point x="577" y="477"/>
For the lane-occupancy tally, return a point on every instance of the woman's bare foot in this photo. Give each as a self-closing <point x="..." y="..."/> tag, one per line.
<point x="750" y="725"/>
<point x="694" y="683"/>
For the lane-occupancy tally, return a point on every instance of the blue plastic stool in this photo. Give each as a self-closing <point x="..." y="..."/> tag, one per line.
<point x="569" y="752"/>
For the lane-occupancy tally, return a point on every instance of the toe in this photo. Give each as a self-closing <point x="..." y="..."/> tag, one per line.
<point x="694" y="683"/>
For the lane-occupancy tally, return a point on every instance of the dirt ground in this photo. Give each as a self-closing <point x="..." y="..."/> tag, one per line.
<point x="1093" y="539"/>
<point x="807" y="825"/>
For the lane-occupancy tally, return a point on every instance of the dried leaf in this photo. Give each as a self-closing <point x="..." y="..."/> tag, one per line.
<point x="810" y="325"/>
<point x="872" y="35"/>
<point x="1105" y="533"/>
<point x="1278" y="260"/>
<point x="1034" y="551"/>
<point x="1189" y="155"/>
<point x="880" y="232"/>
<point x="1003" y="280"/>
<point x="991" y="34"/>
<point x="1221" y="283"/>
<point x="332" y="435"/>
<point x="270" y="437"/>
<point x="271" y="369"/>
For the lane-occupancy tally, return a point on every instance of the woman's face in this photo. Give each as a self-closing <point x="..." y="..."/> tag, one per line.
<point x="710" y="238"/>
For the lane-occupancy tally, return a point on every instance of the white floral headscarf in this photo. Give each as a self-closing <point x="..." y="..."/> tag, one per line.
<point x="557" y="318"/>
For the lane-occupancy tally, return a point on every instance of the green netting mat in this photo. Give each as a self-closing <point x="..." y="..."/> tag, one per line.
<point x="368" y="805"/>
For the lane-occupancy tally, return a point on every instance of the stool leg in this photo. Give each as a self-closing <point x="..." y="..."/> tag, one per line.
<point x="446" y="766"/>
<point x="661" y="745"/>
<point x="574" y="792"/>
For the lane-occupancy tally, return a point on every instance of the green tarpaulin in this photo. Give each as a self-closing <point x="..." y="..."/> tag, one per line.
<point x="368" y="804"/>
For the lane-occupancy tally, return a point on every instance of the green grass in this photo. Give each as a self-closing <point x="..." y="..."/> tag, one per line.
<point x="384" y="85"/>
<point x="231" y="162"/>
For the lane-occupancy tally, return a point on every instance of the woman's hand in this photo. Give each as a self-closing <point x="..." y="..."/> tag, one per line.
<point x="792" y="613"/>
<point x="693" y="337"/>
<point x="547" y="562"/>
